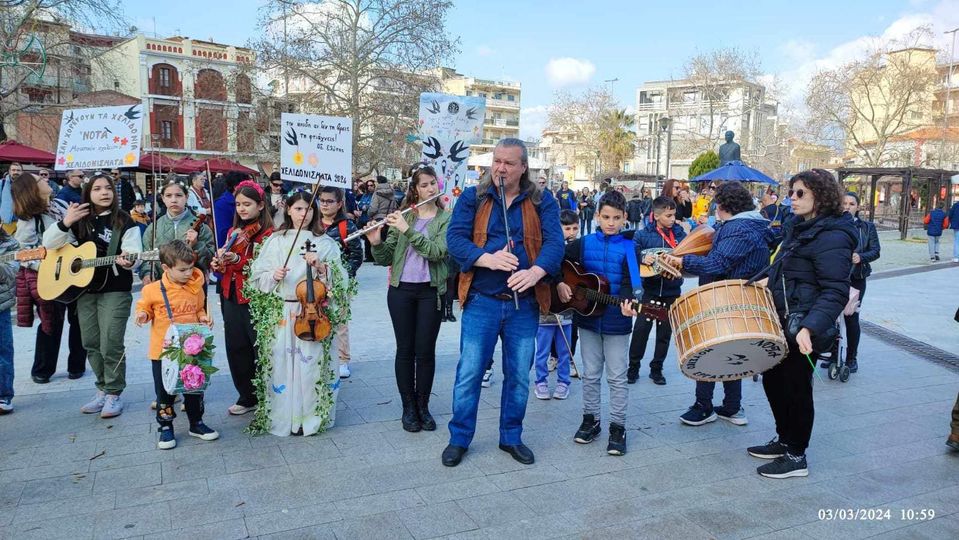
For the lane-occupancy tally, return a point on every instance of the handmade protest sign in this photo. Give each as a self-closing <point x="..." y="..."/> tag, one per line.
<point x="316" y="149"/>
<point x="448" y="125"/>
<point x="100" y="137"/>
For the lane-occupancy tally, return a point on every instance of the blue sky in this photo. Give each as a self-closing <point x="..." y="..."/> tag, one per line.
<point x="591" y="42"/>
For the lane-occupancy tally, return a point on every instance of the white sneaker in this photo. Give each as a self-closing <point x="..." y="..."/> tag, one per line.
<point x="6" y="406"/>
<point x="344" y="371"/>
<point x="95" y="405"/>
<point x="955" y="259"/>
<point x="487" y="379"/>
<point x="738" y="418"/>
<point x="542" y="391"/>
<point x="112" y="406"/>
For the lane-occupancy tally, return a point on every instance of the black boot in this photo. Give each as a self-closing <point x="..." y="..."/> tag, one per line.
<point x="449" y="314"/>
<point x="410" y="419"/>
<point x="423" y="407"/>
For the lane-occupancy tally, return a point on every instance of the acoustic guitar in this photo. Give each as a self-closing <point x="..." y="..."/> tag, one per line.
<point x="24" y="255"/>
<point x="591" y="295"/>
<point x="68" y="272"/>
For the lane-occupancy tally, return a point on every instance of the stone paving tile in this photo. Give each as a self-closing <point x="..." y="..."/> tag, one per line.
<point x="291" y="518"/>
<point x="379" y="503"/>
<point x="384" y="526"/>
<point x="61" y="487"/>
<point x="438" y="520"/>
<point x="233" y="529"/>
<point x="133" y="521"/>
<point x="78" y="526"/>
<point x="130" y="477"/>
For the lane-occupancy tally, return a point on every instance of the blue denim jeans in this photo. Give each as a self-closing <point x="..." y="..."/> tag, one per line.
<point x="6" y="355"/>
<point x="485" y="320"/>
<point x="549" y="336"/>
<point x="732" y="394"/>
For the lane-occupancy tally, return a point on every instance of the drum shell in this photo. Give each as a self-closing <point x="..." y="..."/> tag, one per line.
<point x="726" y="330"/>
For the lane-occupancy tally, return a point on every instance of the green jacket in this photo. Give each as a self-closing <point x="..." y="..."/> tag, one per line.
<point x="432" y="246"/>
<point x="168" y="231"/>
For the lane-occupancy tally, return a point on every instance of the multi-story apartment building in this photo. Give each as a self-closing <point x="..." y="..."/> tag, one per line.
<point x="697" y="121"/>
<point x="198" y="94"/>
<point x="502" y="105"/>
<point x="55" y="63"/>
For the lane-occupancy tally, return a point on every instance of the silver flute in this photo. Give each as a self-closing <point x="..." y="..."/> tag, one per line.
<point x="382" y="222"/>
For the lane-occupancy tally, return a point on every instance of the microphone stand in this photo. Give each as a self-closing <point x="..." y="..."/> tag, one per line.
<point x="509" y="238"/>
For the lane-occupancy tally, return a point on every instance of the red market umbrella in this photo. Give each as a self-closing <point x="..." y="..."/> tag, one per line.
<point x="189" y="165"/>
<point x="221" y="165"/>
<point x="13" y="151"/>
<point x="156" y="162"/>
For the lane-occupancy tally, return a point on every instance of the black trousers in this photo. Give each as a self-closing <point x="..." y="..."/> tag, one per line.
<point x="788" y="388"/>
<point x="47" y="349"/>
<point x="641" y="331"/>
<point x="414" y="309"/>
<point x="853" y="330"/>
<point x="240" y="341"/>
<point x="166" y="412"/>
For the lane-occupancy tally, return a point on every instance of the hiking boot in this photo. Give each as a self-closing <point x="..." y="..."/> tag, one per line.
<point x="542" y="391"/>
<point x="95" y="405"/>
<point x="167" y="439"/>
<point x="487" y="379"/>
<point x="785" y="466"/>
<point x="588" y="430"/>
<point x="657" y="377"/>
<point x="427" y="422"/>
<point x="112" y="406"/>
<point x="698" y="415"/>
<point x="410" y="418"/>
<point x="771" y="450"/>
<point x="737" y="418"/>
<point x="561" y="392"/>
<point x="203" y="432"/>
<point x="617" y="439"/>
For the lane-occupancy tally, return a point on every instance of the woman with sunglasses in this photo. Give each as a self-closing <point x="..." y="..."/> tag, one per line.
<point x="809" y="280"/>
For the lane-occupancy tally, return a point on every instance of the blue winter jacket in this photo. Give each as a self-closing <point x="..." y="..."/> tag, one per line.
<point x="649" y="238"/>
<point x="740" y="250"/>
<point x="954" y="217"/>
<point x="936" y="219"/>
<point x="606" y="256"/>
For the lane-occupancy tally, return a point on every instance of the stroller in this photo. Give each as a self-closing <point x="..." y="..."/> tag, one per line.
<point x="836" y="364"/>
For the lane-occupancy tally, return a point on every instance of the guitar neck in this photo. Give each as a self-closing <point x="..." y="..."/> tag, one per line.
<point x="112" y="259"/>
<point x="601" y="298"/>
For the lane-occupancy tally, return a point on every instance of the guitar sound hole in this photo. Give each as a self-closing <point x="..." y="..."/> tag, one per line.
<point x="76" y="265"/>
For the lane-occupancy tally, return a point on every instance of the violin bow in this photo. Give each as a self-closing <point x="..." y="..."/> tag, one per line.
<point x="316" y="187"/>
<point x="209" y="193"/>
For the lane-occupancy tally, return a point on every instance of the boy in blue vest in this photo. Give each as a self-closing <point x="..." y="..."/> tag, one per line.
<point x="662" y="234"/>
<point x="935" y="222"/>
<point x="605" y="338"/>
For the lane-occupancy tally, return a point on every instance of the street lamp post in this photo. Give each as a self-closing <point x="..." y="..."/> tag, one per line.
<point x="945" y="104"/>
<point x="664" y="123"/>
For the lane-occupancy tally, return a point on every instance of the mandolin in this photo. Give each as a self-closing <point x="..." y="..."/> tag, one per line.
<point x="591" y="295"/>
<point x="68" y="272"/>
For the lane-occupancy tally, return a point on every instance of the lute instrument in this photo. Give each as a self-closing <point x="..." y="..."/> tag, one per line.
<point x="698" y="242"/>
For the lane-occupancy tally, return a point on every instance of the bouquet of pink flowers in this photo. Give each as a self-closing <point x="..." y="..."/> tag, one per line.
<point x="187" y="359"/>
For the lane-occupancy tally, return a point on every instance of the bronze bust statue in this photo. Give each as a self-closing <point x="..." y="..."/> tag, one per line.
<point x="729" y="151"/>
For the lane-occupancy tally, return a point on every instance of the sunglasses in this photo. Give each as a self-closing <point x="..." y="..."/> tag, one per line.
<point x="45" y="175"/>
<point x="277" y="185"/>
<point x="799" y="193"/>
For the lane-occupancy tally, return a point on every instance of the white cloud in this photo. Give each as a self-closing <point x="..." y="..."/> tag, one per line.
<point x="940" y="16"/>
<point x="484" y="51"/>
<point x="569" y="71"/>
<point x="532" y="120"/>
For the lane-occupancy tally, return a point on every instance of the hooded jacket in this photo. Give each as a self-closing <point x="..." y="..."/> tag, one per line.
<point x="740" y="250"/>
<point x="383" y="202"/>
<point x="813" y="274"/>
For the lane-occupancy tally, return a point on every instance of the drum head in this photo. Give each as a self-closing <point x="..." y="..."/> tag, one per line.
<point x="731" y="359"/>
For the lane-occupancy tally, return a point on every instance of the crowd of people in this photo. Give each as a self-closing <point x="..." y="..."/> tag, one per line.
<point x="498" y="251"/>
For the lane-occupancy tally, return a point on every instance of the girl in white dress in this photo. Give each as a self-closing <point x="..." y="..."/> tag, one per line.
<point x="302" y="390"/>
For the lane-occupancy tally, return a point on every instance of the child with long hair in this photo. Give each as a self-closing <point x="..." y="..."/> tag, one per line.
<point x="176" y="224"/>
<point x="37" y="212"/>
<point x="103" y="313"/>
<point x="336" y="225"/>
<point x="415" y="248"/>
<point x="300" y="378"/>
<point x="251" y="225"/>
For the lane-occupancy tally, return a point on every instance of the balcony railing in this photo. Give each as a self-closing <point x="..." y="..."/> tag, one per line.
<point x="493" y="102"/>
<point x="501" y="122"/>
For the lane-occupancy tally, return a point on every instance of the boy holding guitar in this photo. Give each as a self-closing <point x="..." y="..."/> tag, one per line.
<point x="104" y="312"/>
<point x="609" y="253"/>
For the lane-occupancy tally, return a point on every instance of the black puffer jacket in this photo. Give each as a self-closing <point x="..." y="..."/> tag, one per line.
<point x="814" y="275"/>
<point x="867" y="246"/>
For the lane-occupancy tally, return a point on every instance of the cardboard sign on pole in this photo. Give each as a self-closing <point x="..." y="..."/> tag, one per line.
<point x="100" y="138"/>
<point x="316" y="149"/>
<point x="448" y="125"/>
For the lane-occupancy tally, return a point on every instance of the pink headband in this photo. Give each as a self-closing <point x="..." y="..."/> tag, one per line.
<point x="253" y="185"/>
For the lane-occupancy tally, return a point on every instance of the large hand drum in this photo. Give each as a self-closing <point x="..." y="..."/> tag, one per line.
<point x="726" y="330"/>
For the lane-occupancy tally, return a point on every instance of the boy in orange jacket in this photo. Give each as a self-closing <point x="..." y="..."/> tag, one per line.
<point x="182" y="288"/>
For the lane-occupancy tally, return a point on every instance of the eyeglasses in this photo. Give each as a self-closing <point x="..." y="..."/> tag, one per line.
<point x="327" y="202"/>
<point x="43" y="174"/>
<point x="798" y="192"/>
<point x="542" y="183"/>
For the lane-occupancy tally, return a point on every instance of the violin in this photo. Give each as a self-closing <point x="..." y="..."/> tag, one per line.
<point x="200" y="220"/>
<point x="238" y="241"/>
<point x="311" y="324"/>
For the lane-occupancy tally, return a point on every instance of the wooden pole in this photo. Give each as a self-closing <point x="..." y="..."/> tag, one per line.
<point x="216" y="244"/>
